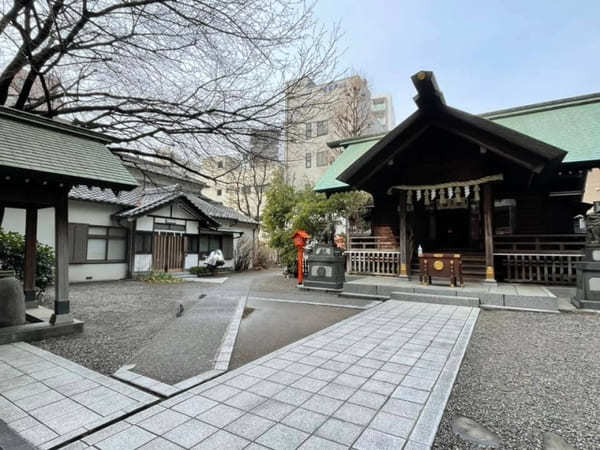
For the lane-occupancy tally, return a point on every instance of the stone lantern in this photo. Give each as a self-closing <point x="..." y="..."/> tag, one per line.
<point x="588" y="271"/>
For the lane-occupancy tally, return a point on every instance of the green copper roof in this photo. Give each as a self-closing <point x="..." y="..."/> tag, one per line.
<point x="354" y="149"/>
<point x="570" y="124"/>
<point x="42" y="147"/>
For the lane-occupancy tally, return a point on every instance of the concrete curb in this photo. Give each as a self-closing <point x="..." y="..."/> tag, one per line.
<point x="303" y="302"/>
<point x="517" y="308"/>
<point x="224" y="354"/>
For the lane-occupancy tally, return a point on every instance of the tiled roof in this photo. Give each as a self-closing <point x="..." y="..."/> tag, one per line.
<point x="43" y="146"/>
<point x="571" y="124"/>
<point x="95" y="194"/>
<point x="142" y="200"/>
<point x="353" y="149"/>
<point x="220" y="211"/>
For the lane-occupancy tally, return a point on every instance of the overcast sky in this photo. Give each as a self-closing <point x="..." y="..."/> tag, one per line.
<point x="486" y="54"/>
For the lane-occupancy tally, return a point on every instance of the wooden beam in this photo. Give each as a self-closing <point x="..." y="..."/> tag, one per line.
<point x="62" y="312"/>
<point x="23" y="196"/>
<point x="404" y="262"/>
<point x="488" y="228"/>
<point x="29" y="269"/>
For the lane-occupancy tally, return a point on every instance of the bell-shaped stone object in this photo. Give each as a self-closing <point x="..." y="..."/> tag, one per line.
<point x="553" y="441"/>
<point x="477" y="434"/>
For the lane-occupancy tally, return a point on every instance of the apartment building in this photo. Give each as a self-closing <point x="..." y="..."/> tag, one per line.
<point x="383" y="113"/>
<point x="306" y="154"/>
<point x="242" y="180"/>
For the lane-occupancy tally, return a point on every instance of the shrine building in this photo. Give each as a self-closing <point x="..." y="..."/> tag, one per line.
<point x="504" y="190"/>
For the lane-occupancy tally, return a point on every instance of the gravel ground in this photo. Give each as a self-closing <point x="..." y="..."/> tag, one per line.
<point x="120" y="318"/>
<point x="272" y="284"/>
<point x="528" y="373"/>
<point x="125" y="319"/>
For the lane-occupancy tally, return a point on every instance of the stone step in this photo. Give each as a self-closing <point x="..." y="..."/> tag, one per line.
<point x="183" y="275"/>
<point x="435" y="298"/>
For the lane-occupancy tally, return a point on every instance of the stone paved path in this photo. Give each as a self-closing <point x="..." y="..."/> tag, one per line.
<point x="49" y="400"/>
<point x="377" y="380"/>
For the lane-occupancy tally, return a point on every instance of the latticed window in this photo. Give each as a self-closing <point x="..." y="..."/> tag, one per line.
<point x="308" y="130"/>
<point x="308" y="161"/>
<point x="321" y="159"/>
<point x="322" y="128"/>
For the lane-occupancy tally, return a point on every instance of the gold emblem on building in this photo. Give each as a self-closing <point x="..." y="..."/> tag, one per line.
<point x="438" y="265"/>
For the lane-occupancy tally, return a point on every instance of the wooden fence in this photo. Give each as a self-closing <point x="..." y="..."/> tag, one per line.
<point x="374" y="262"/>
<point x="539" y="258"/>
<point x="545" y="268"/>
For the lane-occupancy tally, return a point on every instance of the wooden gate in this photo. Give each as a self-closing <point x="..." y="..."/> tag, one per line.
<point x="167" y="252"/>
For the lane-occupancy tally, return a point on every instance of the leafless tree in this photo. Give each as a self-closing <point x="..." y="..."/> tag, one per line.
<point x="352" y="115"/>
<point x="197" y="76"/>
<point x="244" y="179"/>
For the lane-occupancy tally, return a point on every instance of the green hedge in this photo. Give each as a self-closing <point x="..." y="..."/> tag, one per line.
<point x="12" y="257"/>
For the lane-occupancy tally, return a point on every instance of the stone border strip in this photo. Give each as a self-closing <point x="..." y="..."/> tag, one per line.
<point x="304" y="302"/>
<point x="425" y="429"/>
<point x="222" y="358"/>
<point x="224" y="355"/>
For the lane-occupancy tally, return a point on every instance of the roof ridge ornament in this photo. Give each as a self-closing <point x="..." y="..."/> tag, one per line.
<point x="429" y="94"/>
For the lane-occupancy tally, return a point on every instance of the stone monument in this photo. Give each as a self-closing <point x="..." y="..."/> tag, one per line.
<point x="588" y="270"/>
<point x="12" y="301"/>
<point x="326" y="263"/>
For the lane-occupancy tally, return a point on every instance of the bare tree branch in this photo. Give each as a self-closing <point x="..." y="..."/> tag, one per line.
<point x="197" y="77"/>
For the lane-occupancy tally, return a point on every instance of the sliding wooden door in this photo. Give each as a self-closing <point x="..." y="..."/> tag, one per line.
<point x="168" y="252"/>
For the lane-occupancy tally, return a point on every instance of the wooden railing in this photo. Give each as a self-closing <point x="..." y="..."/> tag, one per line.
<point x="372" y="243"/>
<point x="539" y="243"/>
<point x="373" y="262"/>
<point x="539" y="258"/>
<point x="545" y="268"/>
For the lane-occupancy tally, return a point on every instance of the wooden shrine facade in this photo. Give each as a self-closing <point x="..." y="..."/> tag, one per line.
<point x="448" y="181"/>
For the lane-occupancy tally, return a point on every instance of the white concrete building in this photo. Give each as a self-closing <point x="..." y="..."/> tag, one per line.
<point x="383" y="112"/>
<point x="311" y="124"/>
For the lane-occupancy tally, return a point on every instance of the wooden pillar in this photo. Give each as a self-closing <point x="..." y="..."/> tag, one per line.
<point x="62" y="313"/>
<point x="131" y="249"/>
<point x="488" y="227"/>
<point x="404" y="262"/>
<point x="30" y="266"/>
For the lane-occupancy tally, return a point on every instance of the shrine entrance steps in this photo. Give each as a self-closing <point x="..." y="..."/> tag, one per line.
<point x="475" y="293"/>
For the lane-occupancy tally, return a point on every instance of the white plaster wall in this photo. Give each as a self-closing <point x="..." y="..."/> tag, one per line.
<point x="164" y="211"/>
<point x="97" y="272"/>
<point x="144" y="223"/>
<point x="92" y="213"/>
<point x="191" y="227"/>
<point x="181" y="213"/>
<point x="191" y="260"/>
<point x="79" y="212"/>
<point x="142" y="263"/>
<point x="14" y="220"/>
